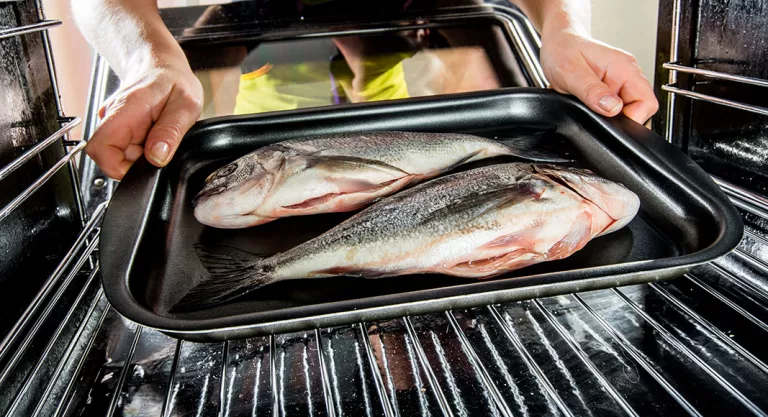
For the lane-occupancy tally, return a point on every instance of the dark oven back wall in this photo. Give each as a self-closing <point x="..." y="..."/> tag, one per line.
<point x="727" y="36"/>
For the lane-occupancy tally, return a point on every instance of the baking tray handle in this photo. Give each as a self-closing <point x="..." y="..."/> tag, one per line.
<point x="137" y="190"/>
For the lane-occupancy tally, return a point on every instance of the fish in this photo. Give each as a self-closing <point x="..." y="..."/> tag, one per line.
<point x="477" y="223"/>
<point x="338" y="173"/>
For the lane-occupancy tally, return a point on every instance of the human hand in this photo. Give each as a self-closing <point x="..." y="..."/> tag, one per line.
<point x="148" y="115"/>
<point x="608" y="80"/>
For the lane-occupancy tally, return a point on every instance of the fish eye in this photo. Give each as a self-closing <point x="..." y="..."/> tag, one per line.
<point x="227" y="170"/>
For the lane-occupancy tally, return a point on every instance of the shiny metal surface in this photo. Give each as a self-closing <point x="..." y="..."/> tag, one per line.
<point x="743" y="195"/>
<point x="95" y="186"/>
<point x="65" y="265"/>
<point x="35" y="150"/>
<point x="23" y="30"/>
<point x="717" y="100"/>
<point x="690" y="346"/>
<point x="714" y="56"/>
<point x="674" y="46"/>
<point x="38" y="233"/>
<point x="674" y="68"/>
<point x="16" y="202"/>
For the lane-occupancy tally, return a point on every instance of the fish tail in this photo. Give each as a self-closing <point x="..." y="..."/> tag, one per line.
<point x="232" y="273"/>
<point x="536" y="147"/>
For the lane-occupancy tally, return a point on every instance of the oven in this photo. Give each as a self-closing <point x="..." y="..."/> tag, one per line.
<point x="693" y="345"/>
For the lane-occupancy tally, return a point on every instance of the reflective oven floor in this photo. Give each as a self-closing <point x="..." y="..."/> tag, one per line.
<point x="694" y="345"/>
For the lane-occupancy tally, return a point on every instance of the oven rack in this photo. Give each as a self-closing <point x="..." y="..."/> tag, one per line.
<point x="67" y="159"/>
<point x="674" y="89"/>
<point x="674" y="66"/>
<point x="577" y="354"/>
<point x="66" y="123"/>
<point x="25" y="29"/>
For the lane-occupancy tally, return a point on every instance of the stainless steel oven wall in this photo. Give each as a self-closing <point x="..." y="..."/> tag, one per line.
<point x="712" y="82"/>
<point x="39" y="211"/>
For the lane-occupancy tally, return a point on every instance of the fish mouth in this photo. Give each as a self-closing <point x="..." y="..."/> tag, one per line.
<point x="205" y="194"/>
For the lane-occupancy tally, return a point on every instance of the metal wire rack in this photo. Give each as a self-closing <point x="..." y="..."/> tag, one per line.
<point x="675" y="67"/>
<point x="683" y="347"/>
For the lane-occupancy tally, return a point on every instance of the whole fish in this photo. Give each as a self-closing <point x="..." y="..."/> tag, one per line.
<point x="478" y="223"/>
<point x="335" y="173"/>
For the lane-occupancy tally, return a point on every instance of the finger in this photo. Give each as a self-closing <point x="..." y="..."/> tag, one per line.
<point x="126" y="122"/>
<point x="111" y="160"/>
<point x="133" y="152"/>
<point x="179" y="114"/>
<point x="641" y="102"/>
<point x="582" y="82"/>
<point x="634" y="90"/>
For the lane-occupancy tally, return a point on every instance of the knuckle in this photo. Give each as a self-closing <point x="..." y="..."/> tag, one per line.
<point x="90" y="151"/>
<point x="654" y="106"/>
<point x="192" y="101"/>
<point x="557" y="80"/>
<point x="118" y="102"/>
<point x="168" y="131"/>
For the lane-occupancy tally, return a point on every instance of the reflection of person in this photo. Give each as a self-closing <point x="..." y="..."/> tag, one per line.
<point x="160" y="98"/>
<point x="331" y="70"/>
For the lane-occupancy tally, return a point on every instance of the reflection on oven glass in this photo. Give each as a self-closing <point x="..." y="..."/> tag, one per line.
<point x="294" y="74"/>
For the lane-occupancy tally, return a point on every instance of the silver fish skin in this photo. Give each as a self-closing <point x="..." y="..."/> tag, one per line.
<point x="336" y="173"/>
<point x="476" y="224"/>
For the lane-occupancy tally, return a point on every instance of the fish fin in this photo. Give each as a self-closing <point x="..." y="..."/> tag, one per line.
<point x="614" y="199"/>
<point x="574" y="240"/>
<point x="349" y="271"/>
<point x="482" y="203"/>
<point x="355" y="185"/>
<point x="336" y="163"/>
<point x="345" y="185"/>
<point x="488" y="267"/>
<point x="357" y="193"/>
<point x="539" y="147"/>
<point x="456" y="164"/>
<point x="232" y="272"/>
<point x="522" y="239"/>
<point x="312" y="202"/>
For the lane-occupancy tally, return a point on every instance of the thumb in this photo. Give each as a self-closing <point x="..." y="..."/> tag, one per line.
<point x="178" y="115"/>
<point x="583" y="83"/>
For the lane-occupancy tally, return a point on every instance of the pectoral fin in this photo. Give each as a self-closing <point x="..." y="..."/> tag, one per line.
<point x="491" y="266"/>
<point x="340" y="164"/>
<point x="574" y="240"/>
<point x="483" y="203"/>
<point x="353" y="194"/>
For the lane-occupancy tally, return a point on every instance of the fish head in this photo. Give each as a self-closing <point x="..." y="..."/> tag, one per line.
<point x="615" y="200"/>
<point x="232" y="194"/>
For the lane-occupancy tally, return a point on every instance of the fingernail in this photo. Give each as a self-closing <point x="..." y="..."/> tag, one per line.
<point x="159" y="152"/>
<point x="609" y="103"/>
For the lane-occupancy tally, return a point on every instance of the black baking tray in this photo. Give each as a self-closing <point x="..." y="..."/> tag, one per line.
<point x="148" y="261"/>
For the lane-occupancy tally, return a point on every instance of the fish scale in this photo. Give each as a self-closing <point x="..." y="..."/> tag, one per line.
<point x="336" y="173"/>
<point x="477" y="223"/>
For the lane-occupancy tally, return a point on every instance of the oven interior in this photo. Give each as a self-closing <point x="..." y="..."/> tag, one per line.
<point x="689" y="346"/>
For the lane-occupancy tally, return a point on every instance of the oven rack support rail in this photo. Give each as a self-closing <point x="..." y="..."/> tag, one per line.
<point x="22" y="338"/>
<point x="737" y="194"/>
<point x="23" y="30"/>
<point x="675" y="67"/>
